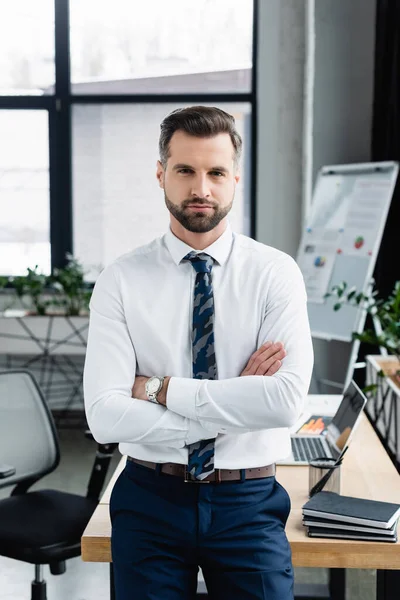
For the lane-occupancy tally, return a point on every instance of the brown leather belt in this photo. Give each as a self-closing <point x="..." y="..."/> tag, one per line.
<point x="216" y="477"/>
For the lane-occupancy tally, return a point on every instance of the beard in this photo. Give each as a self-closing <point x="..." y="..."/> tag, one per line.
<point x="197" y="222"/>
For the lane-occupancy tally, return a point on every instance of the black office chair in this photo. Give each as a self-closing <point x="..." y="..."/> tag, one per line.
<point x="39" y="527"/>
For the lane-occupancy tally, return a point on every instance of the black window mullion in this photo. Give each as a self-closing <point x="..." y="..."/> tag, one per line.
<point x="160" y="98"/>
<point x="60" y="144"/>
<point x="26" y="102"/>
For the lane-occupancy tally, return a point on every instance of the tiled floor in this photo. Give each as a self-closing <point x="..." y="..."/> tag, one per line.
<point x="89" y="581"/>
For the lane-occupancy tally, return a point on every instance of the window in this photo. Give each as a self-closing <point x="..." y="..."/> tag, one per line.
<point x="24" y="191"/>
<point x="84" y="85"/>
<point x="26" y="47"/>
<point x="161" y="47"/>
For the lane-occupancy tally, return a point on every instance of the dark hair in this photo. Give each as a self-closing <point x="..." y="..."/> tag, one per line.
<point x="199" y="121"/>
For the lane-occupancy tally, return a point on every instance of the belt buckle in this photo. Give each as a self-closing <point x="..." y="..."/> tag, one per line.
<point x="190" y="479"/>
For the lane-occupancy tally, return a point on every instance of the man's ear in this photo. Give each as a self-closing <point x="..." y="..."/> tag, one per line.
<point x="237" y="176"/>
<point x="160" y="174"/>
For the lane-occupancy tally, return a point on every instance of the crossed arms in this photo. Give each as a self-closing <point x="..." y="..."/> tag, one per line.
<point x="196" y="409"/>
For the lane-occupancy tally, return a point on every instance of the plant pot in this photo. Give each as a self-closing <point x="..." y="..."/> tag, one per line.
<point x="384" y="405"/>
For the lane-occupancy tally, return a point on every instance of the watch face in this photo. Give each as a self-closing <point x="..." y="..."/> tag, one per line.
<point x="153" y="385"/>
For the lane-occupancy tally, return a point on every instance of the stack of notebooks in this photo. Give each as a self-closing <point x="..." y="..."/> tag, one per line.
<point x="330" y="515"/>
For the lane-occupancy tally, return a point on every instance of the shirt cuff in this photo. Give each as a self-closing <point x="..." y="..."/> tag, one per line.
<point x="181" y="396"/>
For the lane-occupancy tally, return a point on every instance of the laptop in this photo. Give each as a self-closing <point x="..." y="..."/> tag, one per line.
<point x="338" y="433"/>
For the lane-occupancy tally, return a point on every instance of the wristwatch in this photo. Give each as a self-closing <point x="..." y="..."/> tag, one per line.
<point x="153" y="386"/>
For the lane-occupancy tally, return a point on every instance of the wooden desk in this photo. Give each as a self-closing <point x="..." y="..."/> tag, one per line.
<point x="367" y="472"/>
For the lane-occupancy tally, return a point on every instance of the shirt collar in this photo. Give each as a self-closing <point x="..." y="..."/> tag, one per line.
<point x="219" y="250"/>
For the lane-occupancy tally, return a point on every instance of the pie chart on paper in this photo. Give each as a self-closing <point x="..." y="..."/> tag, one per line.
<point x="359" y="242"/>
<point x="320" y="261"/>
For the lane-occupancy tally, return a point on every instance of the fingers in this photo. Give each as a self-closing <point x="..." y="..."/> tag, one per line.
<point x="274" y="368"/>
<point x="267" y="357"/>
<point x="265" y="366"/>
<point x="267" y="360"/>
<point x="265" y="348"/>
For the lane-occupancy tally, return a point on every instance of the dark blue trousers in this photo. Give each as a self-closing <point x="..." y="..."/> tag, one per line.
<point x="164" y="528"/>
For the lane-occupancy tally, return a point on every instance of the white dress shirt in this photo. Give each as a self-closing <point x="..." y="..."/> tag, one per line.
<point x="141" y="324"/>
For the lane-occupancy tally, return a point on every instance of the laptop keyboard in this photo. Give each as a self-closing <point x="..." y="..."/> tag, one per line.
<point x="306" y="449"/>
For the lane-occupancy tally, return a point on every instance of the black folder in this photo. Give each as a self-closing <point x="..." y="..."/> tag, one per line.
<point x="360" y="511"/>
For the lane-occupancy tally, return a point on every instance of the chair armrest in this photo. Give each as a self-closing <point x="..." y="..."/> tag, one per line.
<point x="6" y="471"/>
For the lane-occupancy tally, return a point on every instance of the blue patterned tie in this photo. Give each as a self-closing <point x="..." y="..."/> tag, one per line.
<point x="201" y="454"/>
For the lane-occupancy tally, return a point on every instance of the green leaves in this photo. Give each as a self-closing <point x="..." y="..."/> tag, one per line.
<point x="33" y="284"/>
<point x="65" y="288"/>
<point x="386" y="311"/>
<point x="69" y="283"/>
<point x="370" y="388"/>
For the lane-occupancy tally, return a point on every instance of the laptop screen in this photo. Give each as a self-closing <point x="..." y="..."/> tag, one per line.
<point x="342" y="424"/>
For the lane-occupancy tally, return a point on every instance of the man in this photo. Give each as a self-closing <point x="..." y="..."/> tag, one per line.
<point x="181" y="371"/>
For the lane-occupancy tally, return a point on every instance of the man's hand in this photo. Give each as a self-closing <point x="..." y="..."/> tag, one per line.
<point x="267" y="360"/>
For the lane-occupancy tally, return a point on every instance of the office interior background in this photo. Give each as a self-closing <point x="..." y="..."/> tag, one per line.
<point x="84" y="85"/>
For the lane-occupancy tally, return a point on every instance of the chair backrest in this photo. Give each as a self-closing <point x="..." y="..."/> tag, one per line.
<point x="28" y="437"/>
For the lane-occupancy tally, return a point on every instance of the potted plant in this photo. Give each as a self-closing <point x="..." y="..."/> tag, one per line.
<point x="73" y="294"/>
<point x="34" y="285"/>
<point x="386" y="312"/>
<point x="383" y="372"/>
<point x="65" y="289"/>
<point x="50" y="334"/>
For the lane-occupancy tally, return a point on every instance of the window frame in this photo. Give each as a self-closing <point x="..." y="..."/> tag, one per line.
<point x="59" y="106"/>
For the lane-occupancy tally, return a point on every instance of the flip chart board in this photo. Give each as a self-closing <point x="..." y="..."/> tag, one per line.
<point x="341" y="240"/>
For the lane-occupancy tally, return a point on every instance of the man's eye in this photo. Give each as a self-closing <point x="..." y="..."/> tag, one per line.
<point x="217" y="173"/>
<point x="184" y="171"/>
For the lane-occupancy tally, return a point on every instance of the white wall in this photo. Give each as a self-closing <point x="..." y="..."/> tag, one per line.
<point x="343" y="81"/>
<point x="341" y="104"/>
<point x="337" y="127"/>
<point x="281" y="31"/>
